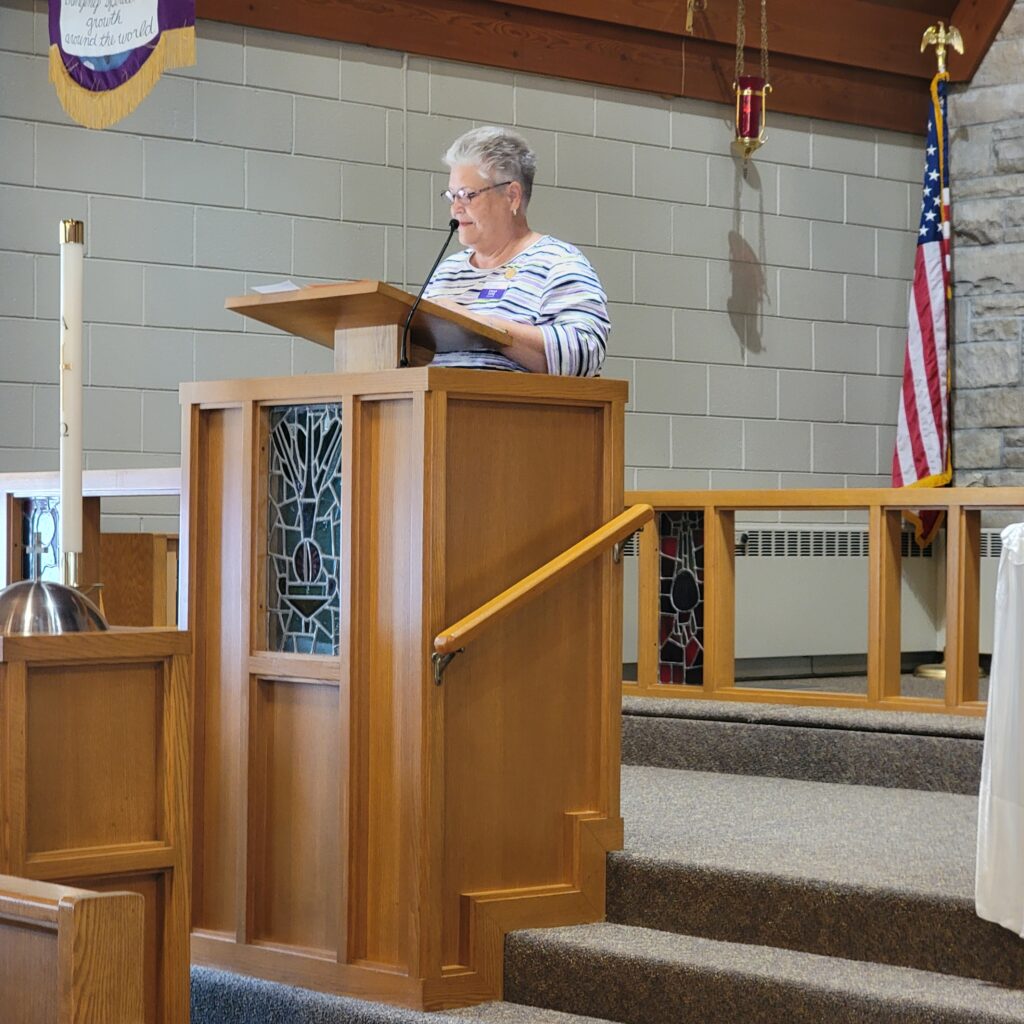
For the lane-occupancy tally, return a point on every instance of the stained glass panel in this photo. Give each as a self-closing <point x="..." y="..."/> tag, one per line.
<point x="41" y="516"/>
<point x="681" y="596"/>
<point x="304" y="529"/>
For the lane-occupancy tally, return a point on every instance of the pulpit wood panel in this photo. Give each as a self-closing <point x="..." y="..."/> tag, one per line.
<point x="387" y="639"/>
<point x="401" y="813"/>
<point x="294" y="780"/>
<point x="216" y="586"/>
<point x="505" y="800"/>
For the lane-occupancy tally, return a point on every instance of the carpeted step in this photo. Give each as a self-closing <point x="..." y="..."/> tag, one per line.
<point x="642" y="976"/>
<point x="928" y="931"/>
<point x="939" y="753"/>
<point x="850" y="871"/>
<point x="220" y="997"/>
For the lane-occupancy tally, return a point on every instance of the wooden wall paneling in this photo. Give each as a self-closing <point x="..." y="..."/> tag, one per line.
<point x="176" y="829"/>
<point x="523" y="711"/>
<point x="94" y="749"/>
<point x="13" y="757"/>
<point x="388" y="646"/>
<point x="294" y="842"/>
<point x="253" y="422"/>
<point x="431" y="880"/>
<point x="884" y="578"/>
<point x="91" y="570"/>
<point x="217" y="499"/>
<point x="134" y="578"/>
<point x="348" y="748"/>
<point x="12" y="549"/>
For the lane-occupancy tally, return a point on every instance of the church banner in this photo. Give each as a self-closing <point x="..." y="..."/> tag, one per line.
<point x="106" y="55"/>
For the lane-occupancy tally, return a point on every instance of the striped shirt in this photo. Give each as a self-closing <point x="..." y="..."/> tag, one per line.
<point x="550" y="285"/>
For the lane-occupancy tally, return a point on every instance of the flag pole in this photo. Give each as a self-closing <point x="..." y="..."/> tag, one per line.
<point x="940" y="37"/>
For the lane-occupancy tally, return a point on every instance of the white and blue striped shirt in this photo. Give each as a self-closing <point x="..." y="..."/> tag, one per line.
<point x="550" y="285"/>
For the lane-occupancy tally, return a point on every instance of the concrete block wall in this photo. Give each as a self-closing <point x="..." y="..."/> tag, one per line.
<point x="987" y="172"/>
<point x="759" y="314"/>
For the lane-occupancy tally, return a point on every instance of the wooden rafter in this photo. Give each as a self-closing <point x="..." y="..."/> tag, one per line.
<point x="862" y="66"/>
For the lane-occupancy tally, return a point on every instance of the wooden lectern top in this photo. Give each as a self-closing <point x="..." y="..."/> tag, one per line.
<point x="317" y="311"/>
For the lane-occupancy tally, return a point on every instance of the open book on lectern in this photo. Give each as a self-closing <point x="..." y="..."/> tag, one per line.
<point x="363" y="320"/>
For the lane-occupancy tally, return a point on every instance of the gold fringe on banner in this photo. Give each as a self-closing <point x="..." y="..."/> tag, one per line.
<point x="175" y="48"/>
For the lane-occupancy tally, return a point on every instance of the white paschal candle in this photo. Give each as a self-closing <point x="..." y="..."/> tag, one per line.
<point x="72" y="252"/>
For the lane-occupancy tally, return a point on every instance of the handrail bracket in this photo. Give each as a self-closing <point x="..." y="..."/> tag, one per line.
<point x="440" y="663"/>
<point x="620" y="546"/>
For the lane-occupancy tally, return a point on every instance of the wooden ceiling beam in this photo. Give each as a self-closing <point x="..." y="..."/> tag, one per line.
<point x="865" y="35"/>
<point x="521" y="37"/>
<point x="978" y="22"/>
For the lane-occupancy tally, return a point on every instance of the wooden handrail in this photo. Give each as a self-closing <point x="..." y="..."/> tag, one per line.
<point x="469" y="626"/>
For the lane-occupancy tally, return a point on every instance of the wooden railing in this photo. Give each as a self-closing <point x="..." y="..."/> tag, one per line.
<point x="453" y="639"/>
<point x="884" y="507"/>
<point x="70" y="956"/>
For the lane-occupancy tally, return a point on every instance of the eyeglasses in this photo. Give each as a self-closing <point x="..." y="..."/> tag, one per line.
<point x="465" y="195"/>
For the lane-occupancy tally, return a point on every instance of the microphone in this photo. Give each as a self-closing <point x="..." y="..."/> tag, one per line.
<point x="453" y="226"/>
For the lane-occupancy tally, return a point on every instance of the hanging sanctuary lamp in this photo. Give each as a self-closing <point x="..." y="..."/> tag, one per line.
<point x="750" y="89"/>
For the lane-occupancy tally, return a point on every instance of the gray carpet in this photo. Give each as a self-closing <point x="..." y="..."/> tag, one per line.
<point x="901" y="750"/>
<point x="640" y="976"/>
<point x="858" y="835"/>
<point x="920" y="723"/>
<point x="220" y="997"/>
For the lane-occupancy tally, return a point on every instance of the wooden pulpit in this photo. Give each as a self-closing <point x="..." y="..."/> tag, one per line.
<point x="365" y="824"/>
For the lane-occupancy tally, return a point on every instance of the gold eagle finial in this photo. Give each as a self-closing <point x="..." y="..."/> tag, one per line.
<point x="940" y="37"/>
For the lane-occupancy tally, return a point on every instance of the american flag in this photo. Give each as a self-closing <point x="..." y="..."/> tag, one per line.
<point x="922" y="457"/>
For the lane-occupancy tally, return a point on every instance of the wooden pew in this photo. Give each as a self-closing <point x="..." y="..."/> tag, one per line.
<point x="69" y="956"/>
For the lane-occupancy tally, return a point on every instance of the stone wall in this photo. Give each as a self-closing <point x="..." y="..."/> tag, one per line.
<point x="987" y="184"/>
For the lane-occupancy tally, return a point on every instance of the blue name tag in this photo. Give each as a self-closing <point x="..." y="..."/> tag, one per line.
<point x="491" y="293"/>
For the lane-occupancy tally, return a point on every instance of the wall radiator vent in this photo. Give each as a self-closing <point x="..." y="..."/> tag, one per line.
<point x="788" y="543"/>
<point x="991" y="544"/>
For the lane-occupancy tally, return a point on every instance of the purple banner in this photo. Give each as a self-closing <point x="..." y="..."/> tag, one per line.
<point x="106" y="55"/>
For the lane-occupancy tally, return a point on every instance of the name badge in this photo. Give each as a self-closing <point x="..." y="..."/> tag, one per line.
<point x="491" y="293"/>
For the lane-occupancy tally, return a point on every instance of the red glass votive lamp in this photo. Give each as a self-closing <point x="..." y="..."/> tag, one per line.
<point x="750" y="112"/>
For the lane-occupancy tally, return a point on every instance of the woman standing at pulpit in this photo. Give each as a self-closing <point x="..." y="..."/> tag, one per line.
<point x="542" y="291"/>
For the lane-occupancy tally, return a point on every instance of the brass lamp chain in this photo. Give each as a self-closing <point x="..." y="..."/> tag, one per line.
<point x="741" y="36"/>
<point x="764" y="40"/>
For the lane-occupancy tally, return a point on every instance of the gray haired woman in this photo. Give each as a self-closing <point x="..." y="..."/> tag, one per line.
<point x="542" y="291"/>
